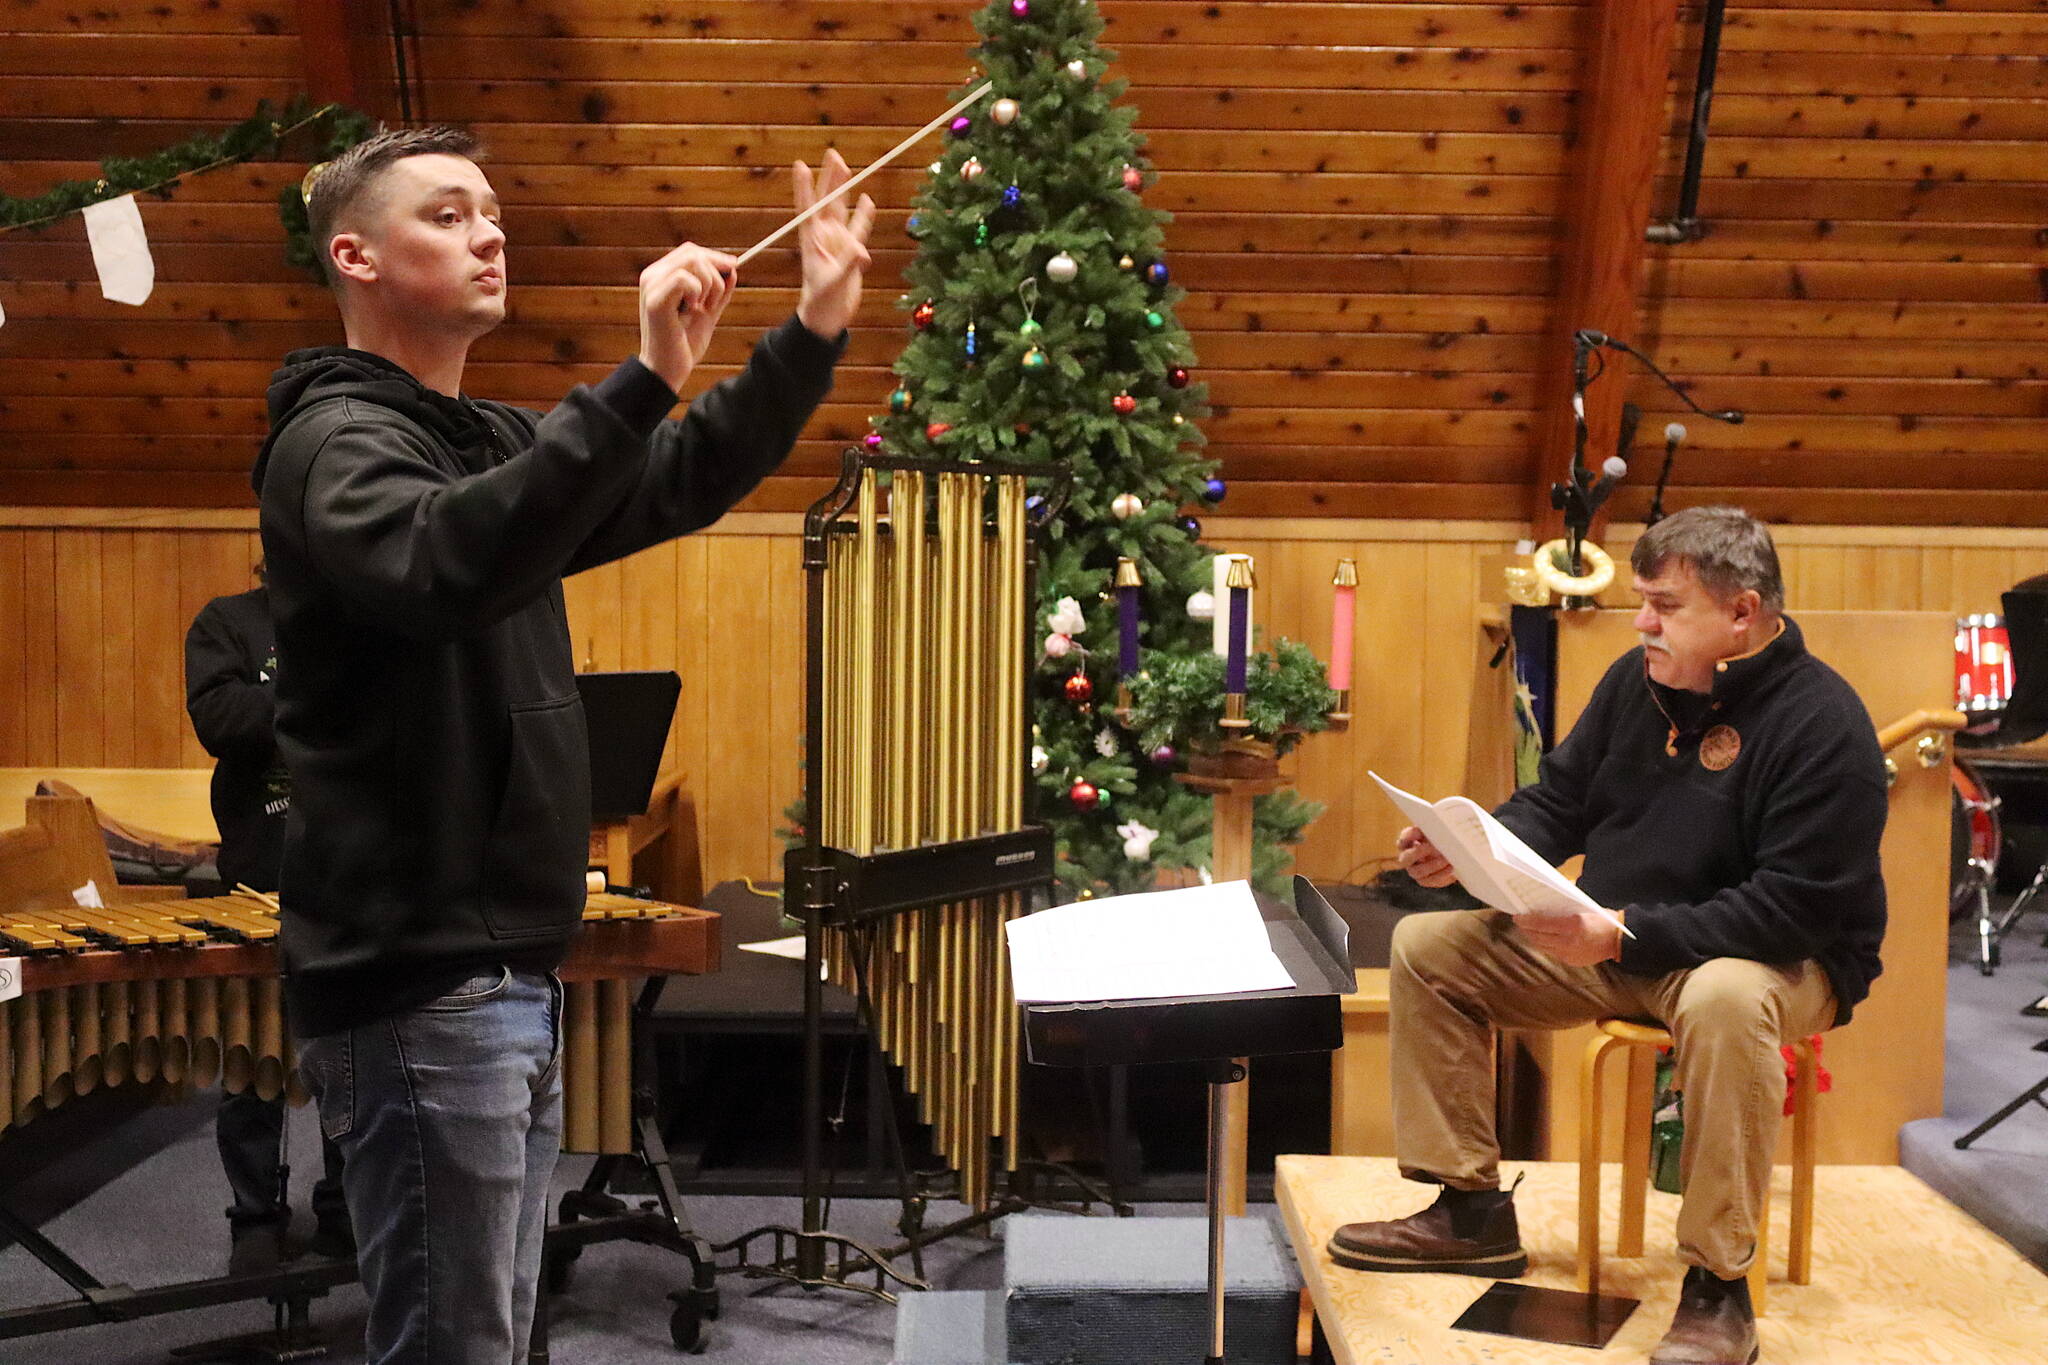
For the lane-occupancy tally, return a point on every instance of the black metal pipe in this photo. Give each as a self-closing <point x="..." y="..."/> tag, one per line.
<point x="1684" y="225"/>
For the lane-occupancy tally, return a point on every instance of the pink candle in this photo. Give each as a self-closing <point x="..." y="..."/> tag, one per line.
<point x="1341" y="613"/>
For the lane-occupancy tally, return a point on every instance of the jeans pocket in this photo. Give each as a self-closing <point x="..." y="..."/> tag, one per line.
<point x="327" y="1064"/>
<point x="480" y="989"/>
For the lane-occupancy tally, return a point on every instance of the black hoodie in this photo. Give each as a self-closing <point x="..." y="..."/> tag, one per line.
<point x="230" y="663"/>
<point x="1767" y="849"/>
<point x="426" y="697"/>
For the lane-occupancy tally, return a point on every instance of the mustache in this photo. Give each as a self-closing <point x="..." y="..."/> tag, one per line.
<point x="1653" y="641"/>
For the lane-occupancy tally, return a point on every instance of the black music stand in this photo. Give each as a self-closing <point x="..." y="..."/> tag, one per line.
<point x="628" y="716"/>
<point x="1312" y="942"/>
<point x="2024" y="718"/>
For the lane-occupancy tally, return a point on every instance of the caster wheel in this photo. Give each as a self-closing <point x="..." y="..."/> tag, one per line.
<point x="686" y="1329"/>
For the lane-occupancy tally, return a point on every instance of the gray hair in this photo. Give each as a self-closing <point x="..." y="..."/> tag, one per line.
<point x="337" y="191"/>
<point x="1730" y="551"/>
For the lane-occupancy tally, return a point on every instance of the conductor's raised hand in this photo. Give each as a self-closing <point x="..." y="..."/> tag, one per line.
<point x="1420" y="857"/>
<point x="682" y="296"/>
<point x="834" y="246"/>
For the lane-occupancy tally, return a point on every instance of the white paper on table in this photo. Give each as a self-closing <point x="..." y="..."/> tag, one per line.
<point x="1199" y="940"/>
<point x="1491" y="860"/>
<point x="120" y="250"/>
<point x="87" y="897"/>
<point x="10" y="978"/>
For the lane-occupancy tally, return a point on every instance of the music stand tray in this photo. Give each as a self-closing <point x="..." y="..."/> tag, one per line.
<point x="1217" y="1030"/>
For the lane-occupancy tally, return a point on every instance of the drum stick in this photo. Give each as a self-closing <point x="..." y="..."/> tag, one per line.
<point x="896" y="151"/>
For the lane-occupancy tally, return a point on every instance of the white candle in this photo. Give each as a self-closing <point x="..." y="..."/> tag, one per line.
<point x="1219" y="638"/>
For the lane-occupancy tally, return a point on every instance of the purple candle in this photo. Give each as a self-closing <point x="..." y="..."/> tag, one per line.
<point x="1240" y="585"/>
<point x="1127" y="584"/>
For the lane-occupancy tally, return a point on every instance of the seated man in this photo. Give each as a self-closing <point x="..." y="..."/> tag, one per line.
<point x="1727" y="792"/>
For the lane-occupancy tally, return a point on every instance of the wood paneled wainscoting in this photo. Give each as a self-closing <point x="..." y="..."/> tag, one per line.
<point x="94" y="604"/>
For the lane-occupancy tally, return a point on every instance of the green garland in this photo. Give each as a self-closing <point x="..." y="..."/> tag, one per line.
<point x="1178" y="698"/>
<point x="261" y="134"/>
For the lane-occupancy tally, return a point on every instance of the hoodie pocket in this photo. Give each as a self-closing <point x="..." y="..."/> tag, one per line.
<point x="540" y="840"/>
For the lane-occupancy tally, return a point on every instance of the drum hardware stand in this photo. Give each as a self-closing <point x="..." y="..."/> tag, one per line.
<point x="590" y="1215"/>
<point x="1993" y="928"/>
<point x="2032" y="1095"/>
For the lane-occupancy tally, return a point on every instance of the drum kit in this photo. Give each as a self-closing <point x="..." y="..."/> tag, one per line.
<point x="1984" y="691"/>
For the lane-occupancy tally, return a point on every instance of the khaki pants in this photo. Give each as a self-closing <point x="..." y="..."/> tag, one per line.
<point x="1457" y="975"/>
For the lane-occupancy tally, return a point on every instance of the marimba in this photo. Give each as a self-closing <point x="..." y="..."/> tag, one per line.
<point x="188" y="992"/>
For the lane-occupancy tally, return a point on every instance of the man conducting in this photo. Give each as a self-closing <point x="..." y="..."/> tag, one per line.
<point x="1726" y="789"/>
<point x="426" y="698"/>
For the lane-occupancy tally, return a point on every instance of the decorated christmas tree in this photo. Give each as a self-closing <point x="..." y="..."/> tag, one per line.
<point x="1041" y="305"/>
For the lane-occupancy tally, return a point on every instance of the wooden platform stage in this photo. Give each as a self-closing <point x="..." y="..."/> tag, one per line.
<point x="1899" y="1274"/>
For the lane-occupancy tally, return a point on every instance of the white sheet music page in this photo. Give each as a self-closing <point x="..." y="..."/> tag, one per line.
<point x="1491" y="859"/>
<point x="1200" y="940"/>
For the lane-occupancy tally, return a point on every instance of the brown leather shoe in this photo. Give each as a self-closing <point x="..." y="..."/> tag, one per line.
<point x="1713" y="1326"/>
<point x="1465" y="1232"/>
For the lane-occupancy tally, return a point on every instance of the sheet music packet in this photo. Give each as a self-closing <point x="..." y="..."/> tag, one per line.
<point x="1199" y="940"/>
<point x="1491" y="860"/>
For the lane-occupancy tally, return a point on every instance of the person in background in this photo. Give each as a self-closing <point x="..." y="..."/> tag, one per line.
<point x="230" y="661"/>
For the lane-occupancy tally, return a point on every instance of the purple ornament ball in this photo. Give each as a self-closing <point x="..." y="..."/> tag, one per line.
<point x="1020" y="8"/>
<point x="873" y="440"/>
<point x="1164" y="756"/>
<point x="960" y="125"/>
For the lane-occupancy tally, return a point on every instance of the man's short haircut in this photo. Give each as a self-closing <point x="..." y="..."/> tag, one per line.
<point x="337" y="190"/>
<point x="1729" y="551"/>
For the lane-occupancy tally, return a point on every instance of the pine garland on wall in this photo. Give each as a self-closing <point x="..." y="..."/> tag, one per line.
<point x="262" y="134"/>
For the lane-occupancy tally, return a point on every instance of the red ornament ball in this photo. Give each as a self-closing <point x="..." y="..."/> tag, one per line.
<point x="934" y="430"/>
<point x="921" y="316"/>
<point x="1079" y="690"/>
<point x="1177" y="377"/>
<point x="1134" y="179"/>
<point x="1124" y="404"/>
<point x="1084" y="795"/>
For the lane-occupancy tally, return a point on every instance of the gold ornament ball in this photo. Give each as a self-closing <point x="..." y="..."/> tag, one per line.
<point x="1127" y="505"/>
<point x="1062" y="268"/>
<point x="1078" y="69"/>
<point x="1124" y="263"/>
<point x="971" y="168"/>
<point x="1005" y="111"/>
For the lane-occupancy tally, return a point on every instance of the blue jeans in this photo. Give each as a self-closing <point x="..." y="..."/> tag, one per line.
<point x="449" y="1120"/>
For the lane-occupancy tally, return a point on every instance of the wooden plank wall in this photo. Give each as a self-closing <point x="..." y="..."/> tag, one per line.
<point x="1367" y="199"/>
<point x="93" y="611"/>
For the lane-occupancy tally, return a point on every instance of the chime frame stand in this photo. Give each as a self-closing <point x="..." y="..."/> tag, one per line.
<point x="812" y="1256"/>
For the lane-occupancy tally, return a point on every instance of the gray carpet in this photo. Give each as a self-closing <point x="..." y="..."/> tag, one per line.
<point x="161" y="1222"/>
<point x="1990" y="1057"/>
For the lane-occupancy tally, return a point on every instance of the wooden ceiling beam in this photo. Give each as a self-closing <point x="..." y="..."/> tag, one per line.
<point x="348" y="51"/>
<point x="1612" y="172"/>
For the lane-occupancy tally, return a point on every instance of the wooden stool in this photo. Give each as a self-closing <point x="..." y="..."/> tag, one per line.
<point x="1642" y="1040"/>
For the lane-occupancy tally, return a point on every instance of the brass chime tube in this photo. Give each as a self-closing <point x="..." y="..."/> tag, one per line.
<point x="861" y="751"/>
